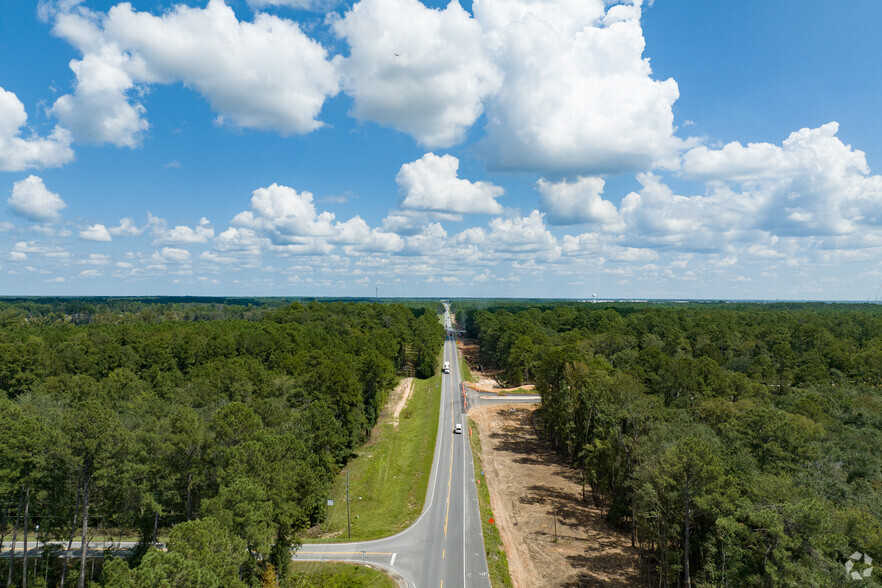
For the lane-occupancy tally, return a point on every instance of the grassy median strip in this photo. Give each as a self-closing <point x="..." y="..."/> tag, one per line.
<point x="389" y="478"/>
<point x="307" y="574"/>
<point x="497" y="562"/>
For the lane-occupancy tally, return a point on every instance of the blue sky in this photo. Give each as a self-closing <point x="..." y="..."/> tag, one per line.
<point x="525" y="148"/>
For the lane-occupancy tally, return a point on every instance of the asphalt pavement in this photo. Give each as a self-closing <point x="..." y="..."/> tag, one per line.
<point x="444" y="547"/>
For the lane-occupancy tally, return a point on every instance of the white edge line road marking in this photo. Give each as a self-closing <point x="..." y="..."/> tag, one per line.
<point x="433" y="483"/>
<point x="464" y="494"/>
<point x="465" y="450"/>
<point x="392" y="563"/>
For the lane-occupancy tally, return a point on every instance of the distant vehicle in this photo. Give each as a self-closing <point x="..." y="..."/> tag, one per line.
<point x="458" y="429"/>
<point x="446" y="368"/>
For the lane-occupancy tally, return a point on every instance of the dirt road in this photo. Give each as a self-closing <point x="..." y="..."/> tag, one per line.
<point x="528" y="484"/>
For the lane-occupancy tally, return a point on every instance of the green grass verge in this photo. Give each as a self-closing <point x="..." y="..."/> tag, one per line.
<point x="465" y="372"/>
<point x="389" y="478"/>
<point x="308" y="574"/>
<point x="497" y="562"/>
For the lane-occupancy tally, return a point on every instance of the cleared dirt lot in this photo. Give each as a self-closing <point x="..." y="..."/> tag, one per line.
<point x="528" y="482"/>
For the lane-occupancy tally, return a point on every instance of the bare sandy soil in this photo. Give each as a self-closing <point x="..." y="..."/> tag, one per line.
<point x="528" y="484"/>
<point x="487" y="380"/>
<point x="485" y="375"/>
<point x="398" y="399"/>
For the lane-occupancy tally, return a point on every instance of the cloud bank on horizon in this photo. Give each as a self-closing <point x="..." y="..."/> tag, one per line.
<point x="555" y="95"/>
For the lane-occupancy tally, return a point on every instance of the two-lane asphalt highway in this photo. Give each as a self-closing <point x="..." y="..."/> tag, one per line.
<point x="444" y="547"/>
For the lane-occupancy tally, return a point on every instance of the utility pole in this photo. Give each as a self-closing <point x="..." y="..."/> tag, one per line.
<point x="348" y="524"/>
<point x="24" y="565"/>
<point x="554" y="515"/>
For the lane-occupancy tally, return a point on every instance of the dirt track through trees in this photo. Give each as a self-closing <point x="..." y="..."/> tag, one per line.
<point x="528" y="482"/>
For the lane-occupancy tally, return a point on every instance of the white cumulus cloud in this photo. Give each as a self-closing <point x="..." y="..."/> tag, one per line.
<point x="812" y="184"/>
<point x="431" y="184"/>
<point x="432" y="239"/>
<point x="316" y="5"/>
<point x="170" y="255"/>
<point x="95" y="259"/>
<point x="563" y="84"/>
<point x="290" y="222"/>
<point x="359" y="237"/>
<point x="126" y="228"/>
<point x="32" y="200"/>
<point x="514" y="237"/>
<point x="184" y="235"/>
<point x="656" y="216"/>
<point x="283" y="213"/>
<point x="99" y="111"/>
<point x="97" y="232"/>
<point x="239" y="240"/>
<point x="45" y="250"/>
<point x="266" y="74"/>
<point x="810" y="196"/>
<point x="579" y="202"/>
<point x="416" y="69"/>
<point x="18" y="153"/>
<point x="578" y="95"/>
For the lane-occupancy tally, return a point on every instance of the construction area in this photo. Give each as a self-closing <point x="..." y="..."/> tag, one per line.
<point x="551" y="536"/>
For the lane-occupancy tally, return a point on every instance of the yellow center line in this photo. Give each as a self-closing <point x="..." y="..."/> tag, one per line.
<point x="449" y="482"/>
<point x="450" y="476"/>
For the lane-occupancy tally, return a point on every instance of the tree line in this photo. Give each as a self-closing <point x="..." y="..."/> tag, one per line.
<point x="225" y="434"/>
<point x="740" y="445"/>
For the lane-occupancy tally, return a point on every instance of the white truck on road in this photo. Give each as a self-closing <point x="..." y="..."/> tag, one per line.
<point x="446" y="367"/>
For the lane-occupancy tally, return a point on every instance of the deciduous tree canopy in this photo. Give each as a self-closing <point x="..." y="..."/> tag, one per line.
<point x="740" y="444"/>
<point x="224" y="422"/>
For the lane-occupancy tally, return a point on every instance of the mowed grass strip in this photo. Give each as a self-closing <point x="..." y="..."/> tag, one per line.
<point x="465" y="372"/>
<point x="497" y="562"/>
<point x="307" y="574"/>
<point x="389" y="478"/>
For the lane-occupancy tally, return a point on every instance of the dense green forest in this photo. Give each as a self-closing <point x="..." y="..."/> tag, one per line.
<point x="740" y="444"/>
<point x="219" y="423"/>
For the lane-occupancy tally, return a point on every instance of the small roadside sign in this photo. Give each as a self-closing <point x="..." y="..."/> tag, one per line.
<point x="330" y="502"/>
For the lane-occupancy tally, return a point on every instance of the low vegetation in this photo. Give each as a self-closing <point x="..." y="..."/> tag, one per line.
<point x="335" y="575"/>
<point x="389" y="477"/>
<point x="465" y="373"/>
<point x="497" y="562"/>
